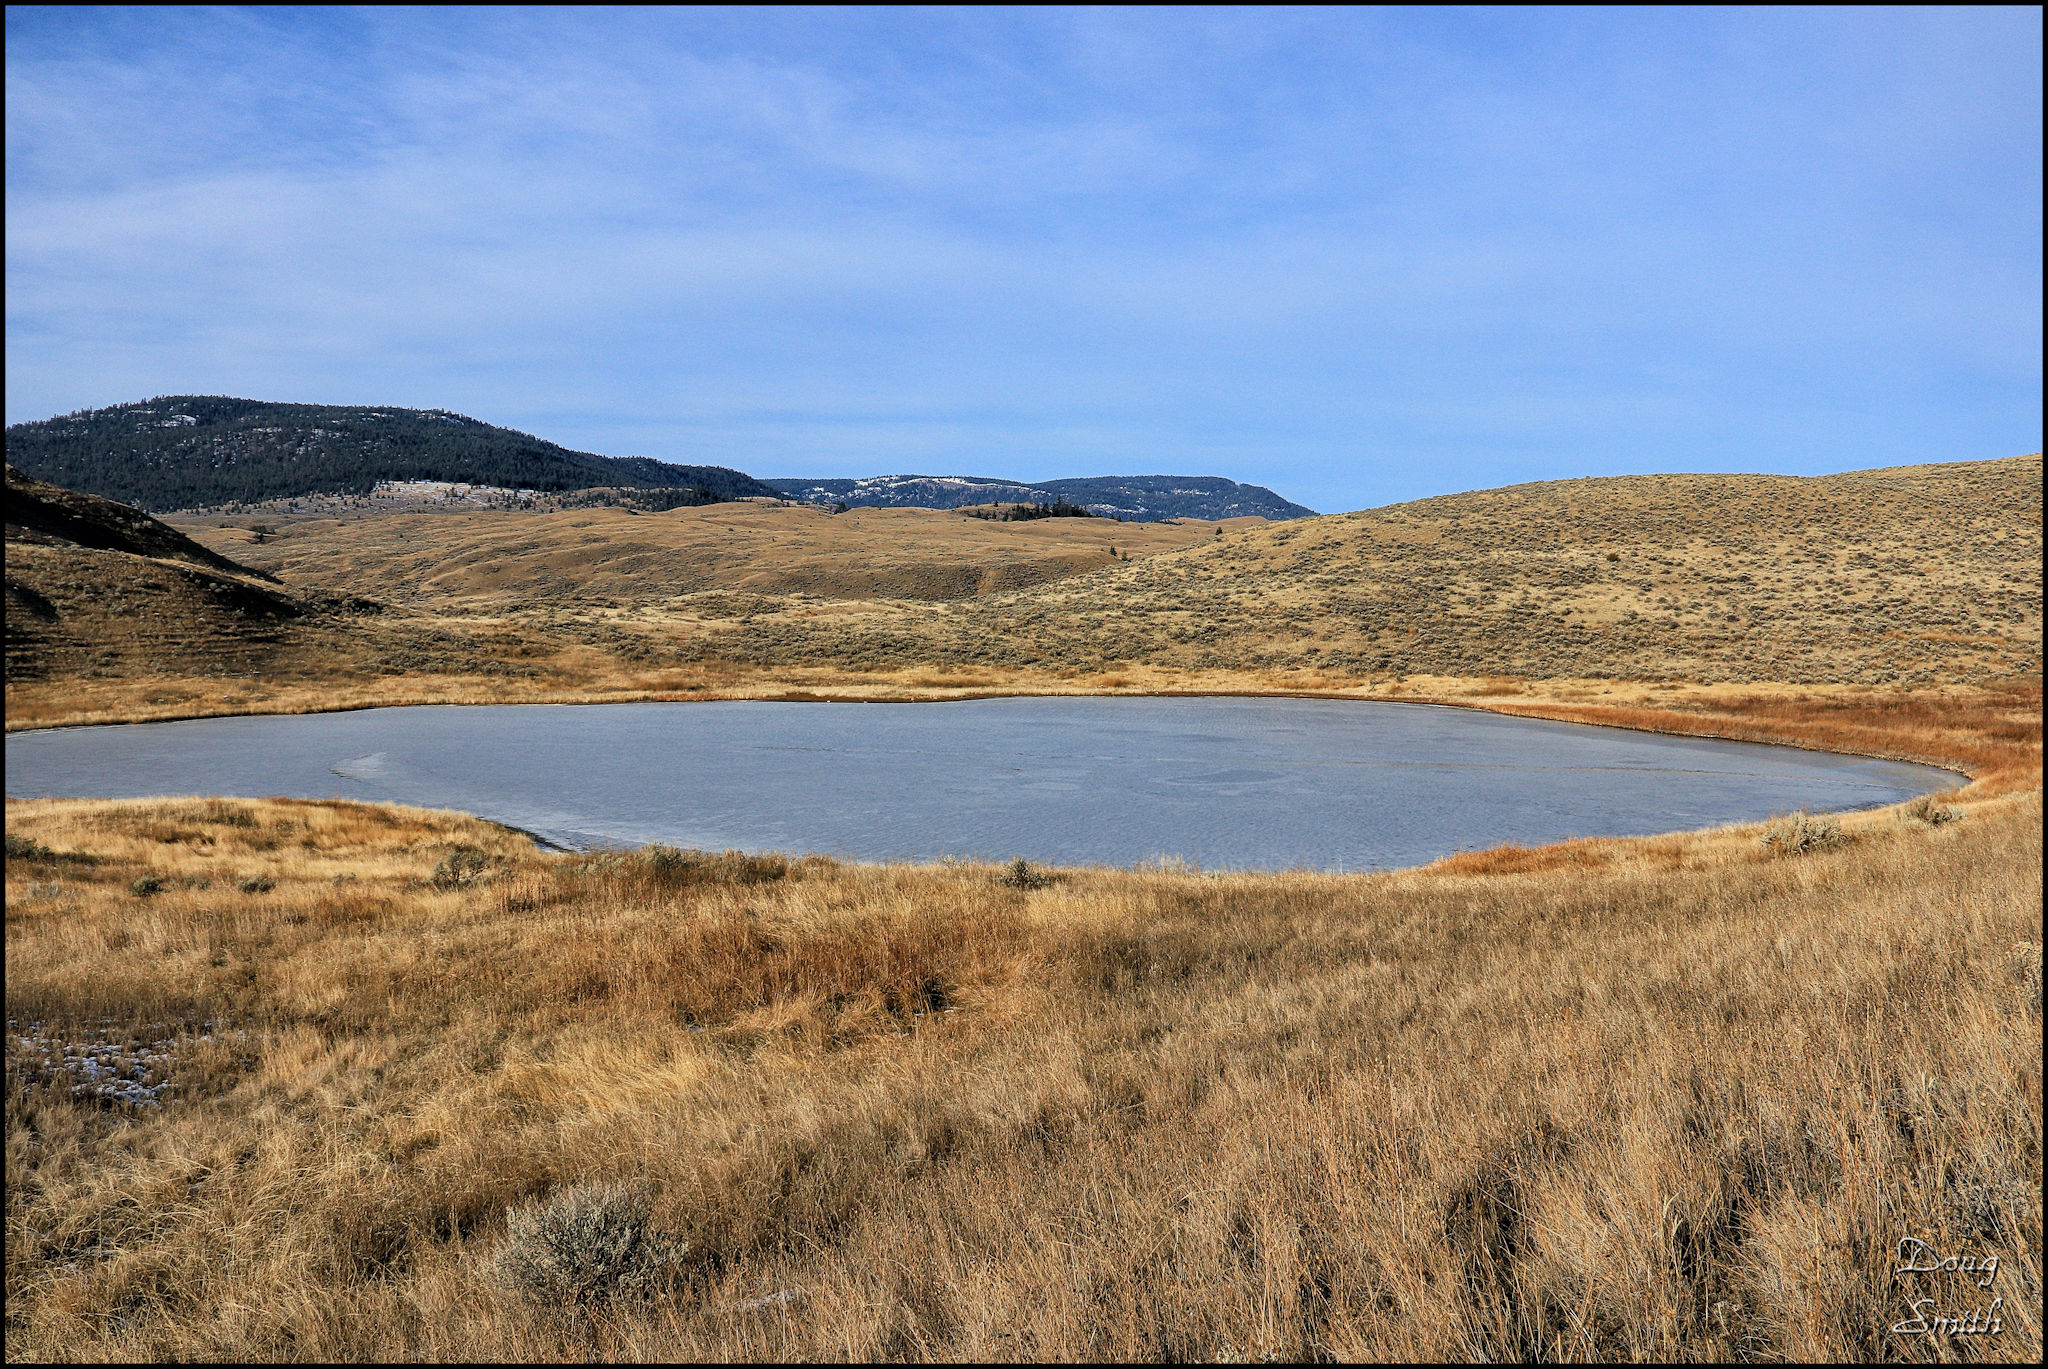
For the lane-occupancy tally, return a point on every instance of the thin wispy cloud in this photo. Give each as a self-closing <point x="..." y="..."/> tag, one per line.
<point x="1358" y="255"/>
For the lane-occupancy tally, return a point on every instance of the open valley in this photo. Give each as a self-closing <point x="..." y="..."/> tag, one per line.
<point x="318" y="1079"/>
<point x="1023" y="684"/>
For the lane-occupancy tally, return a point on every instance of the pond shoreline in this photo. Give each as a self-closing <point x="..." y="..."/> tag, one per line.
<point x="1532" y="704"/>
<point x="1266" y="781"/>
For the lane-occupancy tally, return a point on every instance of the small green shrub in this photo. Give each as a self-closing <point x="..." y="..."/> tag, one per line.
<point x="666" y="861"/>
<point x="585" y="1244"/>
<point x="1021" y="874"/>
<point x="145" y="885"/>
<point x="26" y="848"/>
<point x="672" y="866"/>
<point x="463" y="866"/>
<point x="256" y="884"/>
<point x="23" y="848"/>
<point x="1803" y="832"/>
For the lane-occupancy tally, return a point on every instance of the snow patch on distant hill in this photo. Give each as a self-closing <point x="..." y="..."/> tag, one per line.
<point x="1140" y="498"/>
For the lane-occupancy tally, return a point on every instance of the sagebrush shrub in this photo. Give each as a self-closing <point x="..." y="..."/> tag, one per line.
<point x="26" y="848"/>
<point x="146" y="885"/>
<point x="1803" y="832"/>
<point x="586" y="1244"/>
<point x="1931" y="811"/>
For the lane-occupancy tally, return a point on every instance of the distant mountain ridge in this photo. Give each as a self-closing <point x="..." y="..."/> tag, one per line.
<point x="195" y="451"/>
<point x="1138" y="498"/>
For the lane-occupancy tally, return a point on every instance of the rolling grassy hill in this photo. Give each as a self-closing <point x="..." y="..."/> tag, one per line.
<point x="505" y="559"/>
<point x="1907" y="575"/>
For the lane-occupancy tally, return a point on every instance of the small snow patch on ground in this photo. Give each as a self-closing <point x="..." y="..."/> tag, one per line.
<point x="101" y="1063"/>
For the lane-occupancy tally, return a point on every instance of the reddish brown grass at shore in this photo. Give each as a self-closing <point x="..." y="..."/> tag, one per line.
<point x="1528" y="860"/>
<point x="1991" y="733"/>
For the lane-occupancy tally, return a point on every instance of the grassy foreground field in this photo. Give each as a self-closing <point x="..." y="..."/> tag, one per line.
<point x="1679" y="1100"/>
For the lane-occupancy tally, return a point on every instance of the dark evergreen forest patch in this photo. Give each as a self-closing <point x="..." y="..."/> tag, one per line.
<point x="1134" y="498"/>
<point x="195" y="451"/>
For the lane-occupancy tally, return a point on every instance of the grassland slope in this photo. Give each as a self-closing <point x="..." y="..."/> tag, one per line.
<point x="1916" y="579"/>
<point x="1910" y="575"/>
<point x="101" y="595"/>
<point x="305" y="1080"/>
<point x="508" y="559"/>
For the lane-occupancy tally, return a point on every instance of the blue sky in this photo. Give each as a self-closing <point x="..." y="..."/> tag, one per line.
<point x="1358" y="256"/>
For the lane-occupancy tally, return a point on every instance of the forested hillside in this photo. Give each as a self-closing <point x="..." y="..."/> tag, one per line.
<point x="1148" y="498"/>
<point x="192" y="451"/>
<point x="1138" y="498"/>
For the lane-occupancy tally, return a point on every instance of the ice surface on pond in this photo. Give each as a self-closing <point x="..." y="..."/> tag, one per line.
<point x="1217" y="782"/>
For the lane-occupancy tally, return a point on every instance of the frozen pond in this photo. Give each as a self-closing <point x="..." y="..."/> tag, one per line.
<point x="1223" y="783"/>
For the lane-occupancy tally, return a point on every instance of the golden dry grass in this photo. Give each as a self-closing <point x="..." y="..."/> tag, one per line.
<point x="524" y="559"/>
<point x="1912" y="577"/>
<point x="1681" y="1105"/>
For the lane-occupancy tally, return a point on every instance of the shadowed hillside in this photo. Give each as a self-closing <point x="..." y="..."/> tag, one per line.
<point x="89" y="581"/>
<point x="42" y="514"/>
<point x="98" y="593"/>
